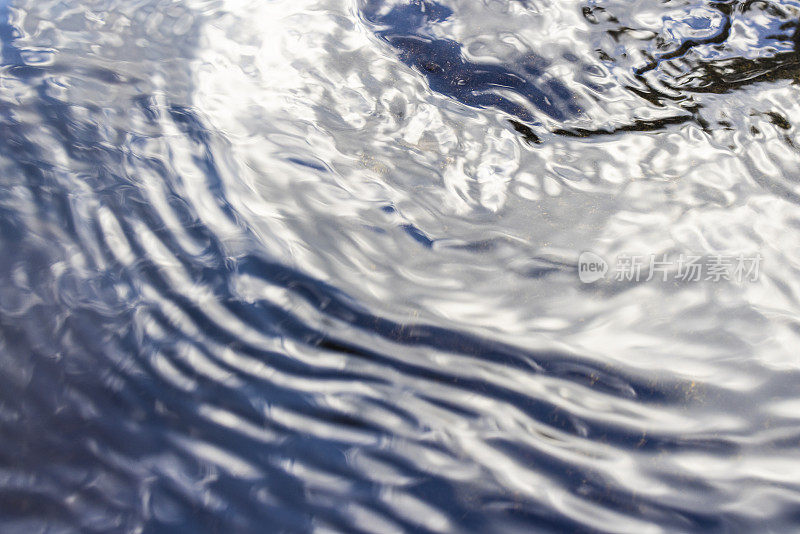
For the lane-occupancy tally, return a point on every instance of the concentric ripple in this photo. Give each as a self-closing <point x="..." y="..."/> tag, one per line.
<point x="311" y="266"/>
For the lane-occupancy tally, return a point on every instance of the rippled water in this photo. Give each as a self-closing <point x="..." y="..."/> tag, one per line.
<point x="312" y="266"/>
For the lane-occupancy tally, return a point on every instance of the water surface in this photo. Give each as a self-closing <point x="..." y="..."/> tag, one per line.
<point x="312" y="266"/>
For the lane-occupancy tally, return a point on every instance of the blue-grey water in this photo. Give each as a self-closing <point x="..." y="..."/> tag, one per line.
<point x="314" y="266"/>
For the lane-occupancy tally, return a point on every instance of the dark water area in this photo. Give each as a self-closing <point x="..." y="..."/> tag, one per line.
<point x="474" y="84"/>
<point x="329" y="266"/>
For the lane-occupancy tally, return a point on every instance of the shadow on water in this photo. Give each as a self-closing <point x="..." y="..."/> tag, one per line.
<point x="409" y="28"/>
<point x="677" y="67"/>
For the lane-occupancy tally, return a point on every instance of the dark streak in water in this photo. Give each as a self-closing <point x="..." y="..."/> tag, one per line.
<point x="441" y="61"/>
<point x="636" y="126"/>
